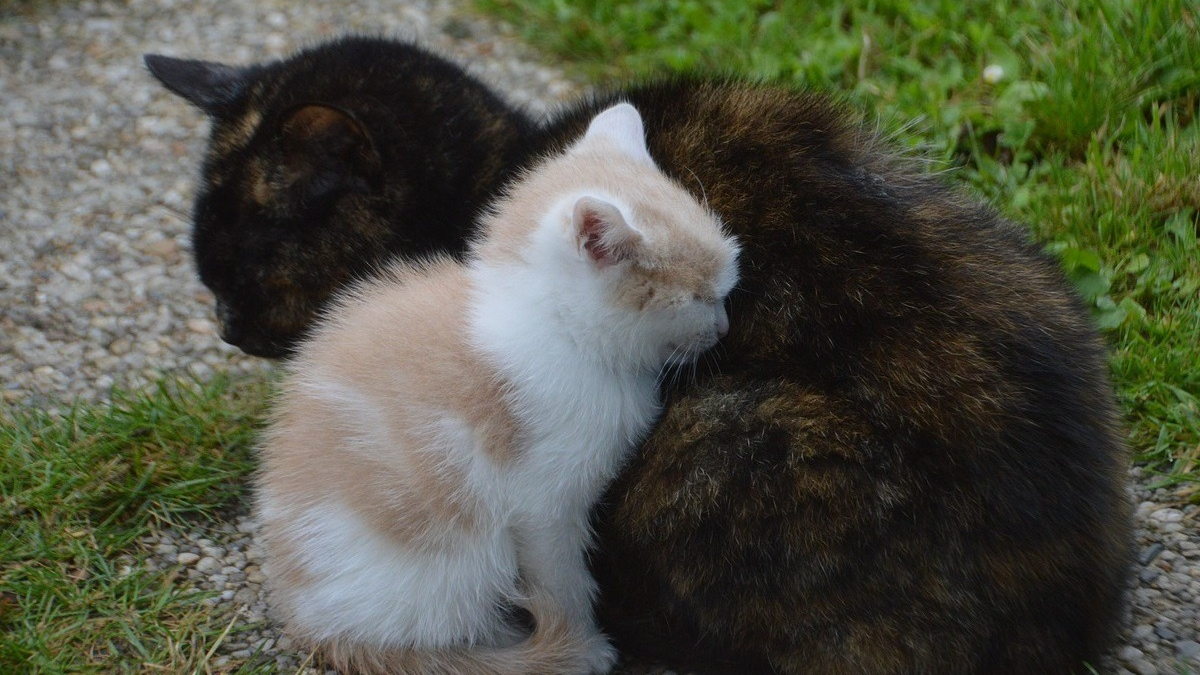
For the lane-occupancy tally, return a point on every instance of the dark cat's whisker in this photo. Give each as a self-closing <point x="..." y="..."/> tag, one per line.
<point x="174" y="213"/>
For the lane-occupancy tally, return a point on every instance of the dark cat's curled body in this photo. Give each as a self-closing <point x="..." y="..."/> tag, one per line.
<point x="906" y="459"/>
<point x="351" y="132"/>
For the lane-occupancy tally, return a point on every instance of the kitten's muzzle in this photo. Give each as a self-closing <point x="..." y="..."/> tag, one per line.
<point x="722" y="322"/>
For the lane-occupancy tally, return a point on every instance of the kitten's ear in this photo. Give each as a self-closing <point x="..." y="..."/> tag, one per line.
<point x="212" y="87"/>
<point x="324" y="146"/>
<point x="621" y="124"/>
<point x="601" y="232"/>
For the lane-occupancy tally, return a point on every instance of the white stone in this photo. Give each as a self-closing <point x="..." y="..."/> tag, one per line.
<point x="1167" y="515"/>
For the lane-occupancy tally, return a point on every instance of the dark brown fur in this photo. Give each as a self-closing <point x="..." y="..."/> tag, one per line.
<point x="906" y="459"/>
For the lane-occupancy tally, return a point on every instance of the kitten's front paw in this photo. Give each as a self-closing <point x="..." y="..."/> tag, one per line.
<point x="600" y="655"/>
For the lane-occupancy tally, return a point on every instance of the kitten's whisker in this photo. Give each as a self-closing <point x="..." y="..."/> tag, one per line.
<point x="703" y="191"/>
<point x="710" y="360"/>
<point x="669" y="370"/>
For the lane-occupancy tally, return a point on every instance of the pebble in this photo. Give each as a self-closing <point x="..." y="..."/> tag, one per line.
<point x="245" y="596"/>
<point x="1188" y="650"/>
<point x="1151" y="552"/>
<point x="1144" y="667"/>
<point x="1142" y="633"/>
<point x="97" y="288"/>
<point x="1129" y="654"/>
<point x="1167" y="515"/>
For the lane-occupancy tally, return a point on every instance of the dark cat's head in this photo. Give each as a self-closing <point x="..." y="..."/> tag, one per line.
<point x="323" y="165"/>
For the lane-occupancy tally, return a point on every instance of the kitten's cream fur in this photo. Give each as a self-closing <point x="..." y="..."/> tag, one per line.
<point x="436" y="449"/>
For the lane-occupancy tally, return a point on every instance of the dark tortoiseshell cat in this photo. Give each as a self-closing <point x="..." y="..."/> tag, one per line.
<point x="347" y="134"/>
<point x="906" y="460"/>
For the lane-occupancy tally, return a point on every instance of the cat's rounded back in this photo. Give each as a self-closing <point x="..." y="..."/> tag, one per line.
<point x="910" y="450"/>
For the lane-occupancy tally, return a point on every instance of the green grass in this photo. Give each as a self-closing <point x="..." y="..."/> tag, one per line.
<point x="1088" y="135"/>
<point x="77" y="492"/>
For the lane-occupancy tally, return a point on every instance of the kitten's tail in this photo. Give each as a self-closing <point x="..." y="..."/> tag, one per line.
<point x="554" y="648"/>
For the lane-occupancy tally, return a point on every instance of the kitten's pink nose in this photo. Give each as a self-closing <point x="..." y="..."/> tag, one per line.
<point x="722" y="322"/>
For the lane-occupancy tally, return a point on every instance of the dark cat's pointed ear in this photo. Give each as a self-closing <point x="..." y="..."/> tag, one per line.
<point x="602" y="233"/>
<point x="318" y="141"/>
<point x="212" y="87"/>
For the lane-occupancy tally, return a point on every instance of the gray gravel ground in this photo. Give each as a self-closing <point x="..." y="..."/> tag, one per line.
<point x="97" y="288"/>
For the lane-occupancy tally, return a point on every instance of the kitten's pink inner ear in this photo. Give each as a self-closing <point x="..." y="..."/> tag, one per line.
<point x="602" y="232"/>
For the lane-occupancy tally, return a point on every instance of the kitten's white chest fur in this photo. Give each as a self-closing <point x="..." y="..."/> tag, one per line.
<point x="582" y="414"/>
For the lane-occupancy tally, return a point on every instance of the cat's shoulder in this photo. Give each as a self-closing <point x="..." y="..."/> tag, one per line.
<point x="418" y="297"/>
<point x="704" y="105"/>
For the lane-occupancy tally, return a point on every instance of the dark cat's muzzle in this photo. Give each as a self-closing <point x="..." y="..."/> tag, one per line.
<point x="235" y="331"/>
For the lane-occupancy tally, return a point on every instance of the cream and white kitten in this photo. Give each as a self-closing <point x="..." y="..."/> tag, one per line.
<point x="440" y="439"/>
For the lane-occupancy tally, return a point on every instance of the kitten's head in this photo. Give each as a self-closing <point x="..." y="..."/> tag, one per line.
<point x="645" y="267"/>
<point x="323" y="165"/>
